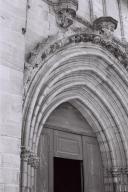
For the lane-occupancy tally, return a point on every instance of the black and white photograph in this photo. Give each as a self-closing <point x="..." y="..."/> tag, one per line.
<point x="63" y="95"/>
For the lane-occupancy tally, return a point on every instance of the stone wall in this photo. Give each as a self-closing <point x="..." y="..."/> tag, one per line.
<point x="12" y="49"/>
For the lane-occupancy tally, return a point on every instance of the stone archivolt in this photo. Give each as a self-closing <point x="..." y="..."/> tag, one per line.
<point x="78" y="69"/>
<point x="97" y="88"/>
<point x="101" y="35"/>
<point x="118" y="51"/>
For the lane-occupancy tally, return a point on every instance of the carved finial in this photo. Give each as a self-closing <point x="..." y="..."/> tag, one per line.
<point x="105" y="26"/>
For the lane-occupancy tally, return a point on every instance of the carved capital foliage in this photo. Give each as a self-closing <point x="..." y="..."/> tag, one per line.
<point x="31" y="158"/>
<point x="118" y="171"/>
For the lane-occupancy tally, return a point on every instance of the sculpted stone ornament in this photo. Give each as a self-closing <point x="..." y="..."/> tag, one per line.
<point x="25" y="153"/>
<point x="102" y="36"/>
<point x="105" y="26"/>
<point x="119" y="175"/>
<point x="29" y="157"/>
<point x="33" y="160"/>
<point x="64" y="19"/>
<point x="65" y="10"/>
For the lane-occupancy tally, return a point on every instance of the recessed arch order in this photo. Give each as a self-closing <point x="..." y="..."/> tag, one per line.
<point x="91" y="79"/>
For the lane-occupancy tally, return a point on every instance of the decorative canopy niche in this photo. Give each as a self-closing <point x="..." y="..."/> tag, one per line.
<point x="92" y="79"/>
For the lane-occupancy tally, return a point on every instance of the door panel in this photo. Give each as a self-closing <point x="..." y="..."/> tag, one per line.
<point x="93" y="170"/>
<point x="44" y="178"/>
<point x="67" y="145"/>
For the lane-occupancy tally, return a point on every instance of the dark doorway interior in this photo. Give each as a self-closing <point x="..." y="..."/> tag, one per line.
<point x="68" y="175"/>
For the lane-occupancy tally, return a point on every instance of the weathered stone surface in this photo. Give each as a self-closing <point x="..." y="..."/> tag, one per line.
<point x="11" y="80"/>
<point x="12" y="51"/>
<point x="97" y="8"/>
<point x="124" y="14"/>
<point x="9" y="145"/>
<point x="12" y="105"/>
<point x="9" y="176"/>
<point x="10" y="160"/>
<point x="2" y="188"/>
<point x="11" y="188"/>
<point x="10" y="129"/>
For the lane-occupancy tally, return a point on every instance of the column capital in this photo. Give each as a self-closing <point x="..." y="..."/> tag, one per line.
<point x="116" y="171"/>
<point x="33" y="160"/>
<point x="30" y="157"/>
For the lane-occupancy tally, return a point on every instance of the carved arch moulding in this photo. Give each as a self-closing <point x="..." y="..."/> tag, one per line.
<point x="100" y="36"/>
<point x="89" y="70"/>
<point x="81" y="71"/>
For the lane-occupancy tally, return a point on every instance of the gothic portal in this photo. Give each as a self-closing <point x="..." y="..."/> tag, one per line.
<point x="69" y="153"/>
<point x="73" y="110"/>
<point x="64" y="95"/>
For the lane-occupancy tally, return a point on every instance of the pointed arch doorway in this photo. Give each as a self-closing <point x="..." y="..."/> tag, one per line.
<point x="70" y="159"/>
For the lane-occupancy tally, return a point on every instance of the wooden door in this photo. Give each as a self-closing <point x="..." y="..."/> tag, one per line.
<point x="59" y="144"/>
<point x="93" y="169"/>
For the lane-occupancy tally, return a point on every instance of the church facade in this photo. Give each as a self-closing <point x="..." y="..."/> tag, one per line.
<point x="64" y="96"/>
